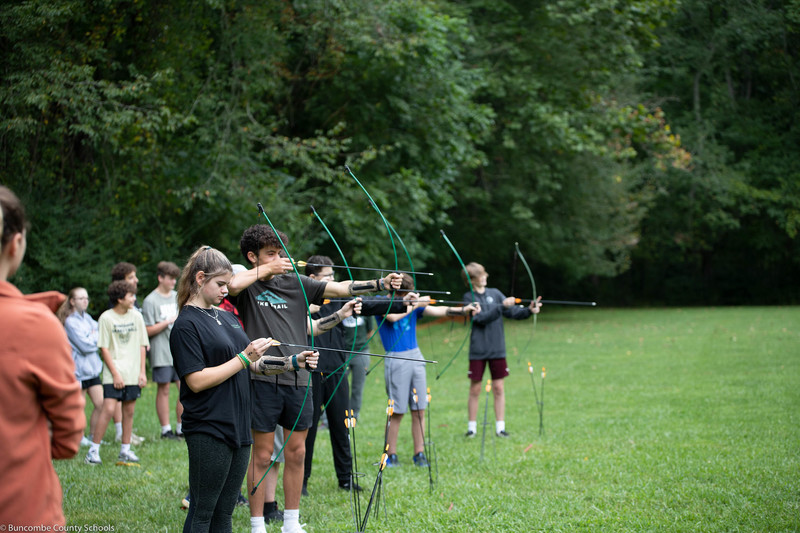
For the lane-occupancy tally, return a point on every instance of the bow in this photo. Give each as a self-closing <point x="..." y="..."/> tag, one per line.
<point x="533" y="285"/>
<point x="311" y="327"/>
<point x="350" y="275"/>
<point x="394" y="248"/>
<point x="471" y="290"/>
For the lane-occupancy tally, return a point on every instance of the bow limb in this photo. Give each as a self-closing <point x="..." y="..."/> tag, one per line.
<point x="533" y="285"/>
<point x="472" y="292"/>
<point x="355" y="330"/>
<point x="311" y="328"/>
<point x="394" y="249"/>
<point x="414" y="277"/>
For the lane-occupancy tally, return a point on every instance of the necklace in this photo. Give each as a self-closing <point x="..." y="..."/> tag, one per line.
<point x="216" y="314"/>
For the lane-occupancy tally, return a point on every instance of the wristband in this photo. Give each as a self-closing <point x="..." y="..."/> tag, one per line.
<point x="379" y="283"/>
<point x="244" y="360"/>
<point x="294" y="363"/>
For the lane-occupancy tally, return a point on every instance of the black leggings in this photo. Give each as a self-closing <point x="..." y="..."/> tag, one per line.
<point x="216" y="472"/>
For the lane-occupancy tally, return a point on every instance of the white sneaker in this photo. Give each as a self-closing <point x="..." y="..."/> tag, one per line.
<point x="93" y="458"/>
<point x="135" y="439"/>
<point x="296" y="528"/>
<point x="85" y="441"/>
<point x="127" y="457"/>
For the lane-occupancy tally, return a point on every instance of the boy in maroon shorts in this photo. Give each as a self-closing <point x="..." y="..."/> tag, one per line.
<point x="488" y="344"/>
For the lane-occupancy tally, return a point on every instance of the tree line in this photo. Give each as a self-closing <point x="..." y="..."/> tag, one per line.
<point x="640" y="152"/>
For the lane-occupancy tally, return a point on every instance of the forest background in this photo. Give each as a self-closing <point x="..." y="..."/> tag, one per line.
<point x="640" y="152"/>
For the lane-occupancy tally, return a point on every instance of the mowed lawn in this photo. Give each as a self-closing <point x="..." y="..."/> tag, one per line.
<point x="682" y="419"/>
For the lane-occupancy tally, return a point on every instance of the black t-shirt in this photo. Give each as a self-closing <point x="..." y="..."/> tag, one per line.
<point x="198" y="342"/>
<point x="276" y="308"/>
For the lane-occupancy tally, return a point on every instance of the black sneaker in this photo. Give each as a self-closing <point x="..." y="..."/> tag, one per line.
<point x="347" y="486"/>
<point x="272" y="513"/>
<point x="169" y="434"/>
<point x="503" y="434"/>
<point x="469" y="434"/>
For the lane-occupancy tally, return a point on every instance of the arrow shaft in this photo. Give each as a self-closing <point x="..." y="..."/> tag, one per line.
<point x="385" y="356"/>
<point x="303" y="263"/>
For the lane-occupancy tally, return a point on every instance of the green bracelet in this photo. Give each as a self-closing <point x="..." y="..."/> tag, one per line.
<point x="294" y="363"/>
<point x="245" y="361"/>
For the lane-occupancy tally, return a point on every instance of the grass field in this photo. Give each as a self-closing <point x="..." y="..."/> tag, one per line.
<point x="654" y="420"/>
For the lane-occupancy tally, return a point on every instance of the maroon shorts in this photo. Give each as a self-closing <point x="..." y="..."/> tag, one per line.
<point x="498" y="368"/>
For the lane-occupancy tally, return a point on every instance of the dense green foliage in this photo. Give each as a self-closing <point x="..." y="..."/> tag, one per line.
<point x="677" y="420"/>
<point x="621" y="143"/>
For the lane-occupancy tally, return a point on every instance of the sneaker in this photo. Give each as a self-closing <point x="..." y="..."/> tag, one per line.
<point x="420" y="460"/>
<point x="169" y="434"/>
<point x="469" y="434"/>
<point x="392" y="460"/>
<point x="503" y="434"/>
<point x="135" y="439"/>
<point x="93" y="458"/>
<point x="272" y="513"/>
<point x="85" y="441"/>
<point x="185" y="502"/>
<point x="296" y="528"/>
<point x="241" y="500"/>
<point x="126" y="458"/>
<point x="347" y="486"/>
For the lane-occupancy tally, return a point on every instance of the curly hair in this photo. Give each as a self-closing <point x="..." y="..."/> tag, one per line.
<point x="121" y="270"/>
<point x="260" y="236"/>
<point x="118" y="289"/>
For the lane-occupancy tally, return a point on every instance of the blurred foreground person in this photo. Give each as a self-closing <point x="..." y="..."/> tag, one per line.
<point x="43" y="417"/>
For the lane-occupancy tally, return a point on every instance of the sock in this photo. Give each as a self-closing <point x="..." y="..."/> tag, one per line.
<point x="257" y="524"/>
<point x="118" y="427"/>
<point x="178" y="428"/>
<point x="472" y="426"/>
<point x="125" y="448"/>
<point x="290" y="518"/>
<point x="166" y="428"/>
<point x="94" y="447"/>
<point x="500" y="425"/>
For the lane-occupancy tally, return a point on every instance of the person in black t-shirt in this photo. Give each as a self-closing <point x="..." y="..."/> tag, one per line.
<point x="329" y="387"/>
<point x="272" y="302"/>
<point x="214" y="357"/>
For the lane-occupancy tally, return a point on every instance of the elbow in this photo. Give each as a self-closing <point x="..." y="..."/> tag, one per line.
<point x="195" y="385"/>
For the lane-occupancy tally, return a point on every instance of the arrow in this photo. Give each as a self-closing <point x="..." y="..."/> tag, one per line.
<point x="303" y="263"/>
<point x="360" y="353"/>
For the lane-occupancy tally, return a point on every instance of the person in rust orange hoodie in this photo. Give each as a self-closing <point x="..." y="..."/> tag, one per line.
<point x="42" y="416"/>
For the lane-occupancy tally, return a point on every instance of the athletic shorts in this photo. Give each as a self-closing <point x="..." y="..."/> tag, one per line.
<point x="498" y="368"/>
<point x="276" y="405"/>
<point x="403" y="378"/>
<point x="165" y="374"/>
<point x="86" y="383"/>
<point x="128" y="393"/>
